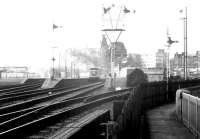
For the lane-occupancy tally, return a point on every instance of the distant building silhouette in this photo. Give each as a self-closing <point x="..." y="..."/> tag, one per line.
<point x="161" y="58"/>
<point x="135" y="60"/>
<point x="105" y="55"/>
<point x="193" y="62"/>
<point x="149" y="60"/>
<point x="14" y="72"/>
<point x="120" y="52"/>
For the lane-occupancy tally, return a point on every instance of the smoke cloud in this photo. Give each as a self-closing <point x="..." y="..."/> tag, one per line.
<point x="87" y="56"/>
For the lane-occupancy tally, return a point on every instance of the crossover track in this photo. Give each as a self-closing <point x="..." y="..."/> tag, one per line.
<point x="41" y="121"/>
<point x="40" y="101"/>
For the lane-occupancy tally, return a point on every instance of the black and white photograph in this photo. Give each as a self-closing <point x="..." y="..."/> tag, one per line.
<point x="99" y="69"/>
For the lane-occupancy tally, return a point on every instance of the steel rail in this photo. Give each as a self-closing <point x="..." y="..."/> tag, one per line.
<point x="45" y="99"/>
<point x="51" y="119"/>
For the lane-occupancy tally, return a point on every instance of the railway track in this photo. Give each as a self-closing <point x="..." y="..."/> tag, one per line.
<point x="15" y="90"/>
<point x="9" y="86"/>
<point x="47" y="100"/>
<point x="97" y="117"/>
<point x="26" y="95"/>
<point x="50" y="116"/>
<point x="23" y="93"/>
<point x="11" y="115"/>
<point x="30" y="84"/>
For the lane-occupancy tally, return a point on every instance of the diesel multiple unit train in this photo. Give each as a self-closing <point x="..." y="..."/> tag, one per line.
<point x="94" y="73"/>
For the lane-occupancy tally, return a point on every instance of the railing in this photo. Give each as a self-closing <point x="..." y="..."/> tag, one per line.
<point x="144" y="97"/>
<point x="129" y="119"/>
<point x="188" y="108"/>
<point x="141" y="98"/>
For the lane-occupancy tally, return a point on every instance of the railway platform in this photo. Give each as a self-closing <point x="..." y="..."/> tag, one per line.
<point x="162" y="123"/>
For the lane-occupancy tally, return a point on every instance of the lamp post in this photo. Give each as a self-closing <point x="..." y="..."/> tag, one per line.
<point x="59" y="66"/>
<point x="53" y="60"/>
<point x="67" y="69"/>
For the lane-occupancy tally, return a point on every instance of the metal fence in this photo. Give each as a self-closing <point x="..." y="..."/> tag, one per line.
<point x="188" y="109"/>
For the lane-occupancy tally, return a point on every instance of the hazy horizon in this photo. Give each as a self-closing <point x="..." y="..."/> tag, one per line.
<point x="27" y="37"/>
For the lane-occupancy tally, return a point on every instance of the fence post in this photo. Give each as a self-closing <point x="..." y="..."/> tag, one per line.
<point x="110" y="125"/>
<point x="196" y="118"/>
<point x="189" y="111"/>
<point x="181" y="99"/>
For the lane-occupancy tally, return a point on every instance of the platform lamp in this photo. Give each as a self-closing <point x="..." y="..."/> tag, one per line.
<point x="53" y="61"/>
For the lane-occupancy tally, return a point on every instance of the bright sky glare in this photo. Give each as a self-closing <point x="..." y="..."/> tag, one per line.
<point x="27" y="38"/>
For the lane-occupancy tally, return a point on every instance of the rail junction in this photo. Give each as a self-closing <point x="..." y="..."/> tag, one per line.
<point x="85" y="109"/>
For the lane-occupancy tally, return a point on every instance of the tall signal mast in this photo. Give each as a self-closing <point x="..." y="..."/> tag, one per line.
<point x="113" y="40"/>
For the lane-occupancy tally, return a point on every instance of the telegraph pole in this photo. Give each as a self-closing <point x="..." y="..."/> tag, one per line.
<point x="71" y="70"/>
<point x="185" y="20"/>
<point x="186" y="49"/>
<point x="197" y="54"/>
<point x="59" y="68"/>
<point x="65" y="68"/>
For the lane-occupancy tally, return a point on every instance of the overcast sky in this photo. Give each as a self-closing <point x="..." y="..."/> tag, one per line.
<point x="27" y="38"/>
